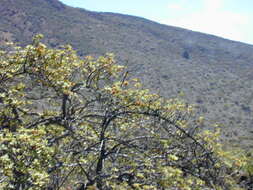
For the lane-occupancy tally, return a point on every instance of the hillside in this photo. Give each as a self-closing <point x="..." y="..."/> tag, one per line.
<point x="211" y="72"/>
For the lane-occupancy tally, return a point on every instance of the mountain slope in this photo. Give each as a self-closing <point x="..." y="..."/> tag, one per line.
<point x="213" y="73"/>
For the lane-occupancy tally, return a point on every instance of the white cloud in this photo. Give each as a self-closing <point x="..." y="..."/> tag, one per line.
<point x="214" y="19"/>
<point x="213" y="5"/>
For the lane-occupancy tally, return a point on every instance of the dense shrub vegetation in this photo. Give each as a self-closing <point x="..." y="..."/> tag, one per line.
<point x="83" y="123"/>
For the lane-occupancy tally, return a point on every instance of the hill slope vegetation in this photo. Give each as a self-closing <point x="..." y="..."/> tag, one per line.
<point x="211" y="72"/>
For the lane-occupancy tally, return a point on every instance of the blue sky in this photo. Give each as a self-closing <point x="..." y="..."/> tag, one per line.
<point x="232" y="19"/>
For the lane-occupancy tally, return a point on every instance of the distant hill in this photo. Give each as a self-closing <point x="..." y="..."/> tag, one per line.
<point x="211" y="72"/>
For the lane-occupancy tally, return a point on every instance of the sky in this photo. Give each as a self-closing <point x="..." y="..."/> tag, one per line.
<point x="231" y="19"/>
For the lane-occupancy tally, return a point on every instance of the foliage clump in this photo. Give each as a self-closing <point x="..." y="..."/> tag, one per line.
<point x="68" y="122"/>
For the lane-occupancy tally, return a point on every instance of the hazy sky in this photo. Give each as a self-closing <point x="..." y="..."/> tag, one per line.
<point x="232" y="19"/>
